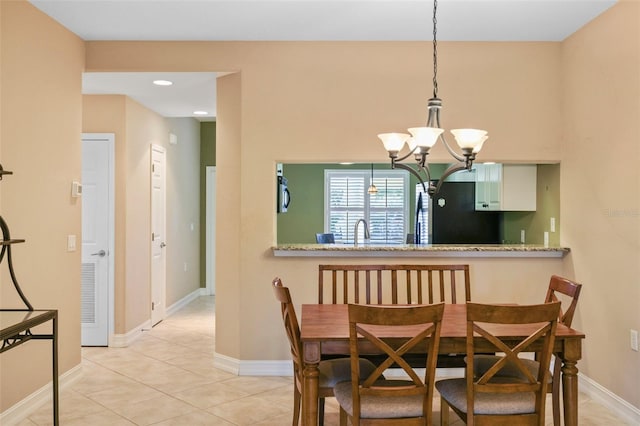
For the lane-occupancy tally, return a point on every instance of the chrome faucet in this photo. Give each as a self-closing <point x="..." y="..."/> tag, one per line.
<point x="355" y="231"/>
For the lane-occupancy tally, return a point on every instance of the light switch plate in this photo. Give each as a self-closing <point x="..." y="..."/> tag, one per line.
<point x="71" y="243"/>
<point x="552" y="224"/>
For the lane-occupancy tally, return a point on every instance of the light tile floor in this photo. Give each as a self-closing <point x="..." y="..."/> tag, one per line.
<point x="167" y="378"/>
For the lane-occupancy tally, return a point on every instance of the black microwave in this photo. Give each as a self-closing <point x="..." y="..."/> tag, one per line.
<point x="284" y="196"/>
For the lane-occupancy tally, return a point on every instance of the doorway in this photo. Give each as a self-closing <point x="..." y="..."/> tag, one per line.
<point x="97" y="268"/>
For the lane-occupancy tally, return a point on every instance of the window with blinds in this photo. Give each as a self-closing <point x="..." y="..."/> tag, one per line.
<point x="347" y="201"/>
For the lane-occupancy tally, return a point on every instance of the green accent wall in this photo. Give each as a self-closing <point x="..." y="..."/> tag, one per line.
<point x="305" y="216"/>
<point x="207" y="158"/>
<point x="547" y="206"/>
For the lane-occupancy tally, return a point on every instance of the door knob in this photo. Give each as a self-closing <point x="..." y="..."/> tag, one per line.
<point x="100" y="253"/>
<point x="162" y="245"/>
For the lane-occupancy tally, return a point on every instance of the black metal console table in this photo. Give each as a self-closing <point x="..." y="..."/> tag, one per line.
<point x="16" y="324"/>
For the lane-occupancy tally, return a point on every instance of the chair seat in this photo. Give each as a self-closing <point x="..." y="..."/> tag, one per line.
<point x="455" y="392"/>
<point x="334" y="371"/>
<point x="482" y="363"/>
<point x="376" y="407"/>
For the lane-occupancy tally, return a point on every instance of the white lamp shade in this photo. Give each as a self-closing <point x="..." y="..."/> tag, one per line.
<point x="478" y="147"/>
<point x="468" y="138"/>
<point x="393" y="141"/>
<point x="425" y="136"/>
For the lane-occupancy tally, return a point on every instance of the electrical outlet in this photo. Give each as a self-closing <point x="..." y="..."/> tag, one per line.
<point x="522" y="239"/>
<point x="634" y="340"/>
<point x="552" y="224"/>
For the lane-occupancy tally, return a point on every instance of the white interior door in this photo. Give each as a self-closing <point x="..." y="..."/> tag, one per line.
<point x="210" y="246"/>
<point x="158" y="238"/>
<point x="97" y="239"/>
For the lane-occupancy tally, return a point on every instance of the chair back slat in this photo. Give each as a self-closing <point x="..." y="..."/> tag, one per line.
<point x="568" y="288"/>
<point x="393" y="284"/>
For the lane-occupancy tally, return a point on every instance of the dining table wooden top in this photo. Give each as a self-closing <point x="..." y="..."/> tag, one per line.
<point x="330" y="322"/>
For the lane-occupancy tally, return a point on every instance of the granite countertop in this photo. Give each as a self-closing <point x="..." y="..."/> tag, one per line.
<point x="413" y="250"/>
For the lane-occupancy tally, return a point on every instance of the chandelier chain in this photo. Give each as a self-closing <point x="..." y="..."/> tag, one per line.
<point x="435" y="50"/>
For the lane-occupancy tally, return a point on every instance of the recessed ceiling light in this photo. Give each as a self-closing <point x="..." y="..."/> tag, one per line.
<point x="162" y="82"/>
<point x="200" y="113"/>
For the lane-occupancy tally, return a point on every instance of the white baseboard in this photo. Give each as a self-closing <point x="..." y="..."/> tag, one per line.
<point x="226" y="363"/>
<point x="186" y="300"/>
<point x="266" y="368"/>
<point x="587" y="386"/>
<point x="27" y="406"/>
<point x="124" y="340"/>
<point x="610" y="400"/>
<point x="252" y="368"/>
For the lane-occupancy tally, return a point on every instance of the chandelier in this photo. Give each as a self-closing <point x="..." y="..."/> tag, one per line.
<point x="421" y="139"/>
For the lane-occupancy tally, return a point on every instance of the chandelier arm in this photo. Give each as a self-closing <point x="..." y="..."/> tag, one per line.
<point x="424" y="167"/>
<point x="412" y="171"/>
<point x="454" y="154"/>
<point x="448" y="172"/>
<point x="406" y="156"/>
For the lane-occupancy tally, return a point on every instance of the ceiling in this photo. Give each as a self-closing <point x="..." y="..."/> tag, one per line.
<point x="288" y="20"/>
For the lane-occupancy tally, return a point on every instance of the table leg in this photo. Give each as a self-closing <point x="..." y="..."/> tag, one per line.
<point x="570" y="357"/>
<point x="310" y="398"/>
<point x="311" y="356"/>
<point x="56" y="391"/>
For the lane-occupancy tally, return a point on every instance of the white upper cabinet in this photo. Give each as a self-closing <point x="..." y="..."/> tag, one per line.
<point x="506" y="187"/>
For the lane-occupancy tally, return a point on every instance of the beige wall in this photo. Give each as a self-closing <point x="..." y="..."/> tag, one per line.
<point x="183" y="209"/>
<point x="229" y="240"/>
<point x="327" y="101"/>
<point x="600" y="192"/>
<point x="41" y="65"/>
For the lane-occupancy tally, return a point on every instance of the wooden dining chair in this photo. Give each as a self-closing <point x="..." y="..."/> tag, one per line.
<point x="492" y="398"/>
<point x="393" y="284"/>
<point x="325" y="238"/>
<point x="330" y="371"/>
<point x="558" y="286"/>
<point x="367" y="400"/>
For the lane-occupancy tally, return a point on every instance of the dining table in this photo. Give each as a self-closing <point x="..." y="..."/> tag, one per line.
<point x="324" y="330"/>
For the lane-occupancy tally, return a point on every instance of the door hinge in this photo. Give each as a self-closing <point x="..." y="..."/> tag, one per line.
<point x="153" y="306"/>
<point x="153" y="168"/>
<point x="153" y="236"/>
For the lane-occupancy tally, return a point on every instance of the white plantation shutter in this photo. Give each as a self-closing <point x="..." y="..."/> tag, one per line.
<point x="347" y="201"/>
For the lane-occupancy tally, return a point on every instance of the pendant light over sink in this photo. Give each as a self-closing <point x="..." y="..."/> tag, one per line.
<point x="372" y="188"/>
<point x="421" y="139"/>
